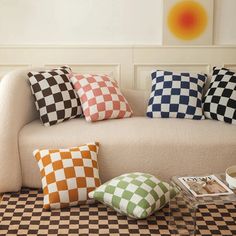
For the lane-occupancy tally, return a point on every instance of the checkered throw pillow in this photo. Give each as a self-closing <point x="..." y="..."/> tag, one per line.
<point x="137" y="195"/>
<point x="176" y="95"/>
<point x="100" y="97"/>
<point x="220" y="100"/>
<point x="68" y="175"/>
<point x="55" y="97"/>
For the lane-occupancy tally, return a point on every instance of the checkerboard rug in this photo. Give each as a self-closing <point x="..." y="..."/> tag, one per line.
<point x="22" y="214"/>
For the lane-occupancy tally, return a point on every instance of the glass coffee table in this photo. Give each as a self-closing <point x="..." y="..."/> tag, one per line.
<point x="185" y="208"/>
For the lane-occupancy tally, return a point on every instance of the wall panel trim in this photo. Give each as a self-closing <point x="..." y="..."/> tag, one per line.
<point x="129" y="64"/>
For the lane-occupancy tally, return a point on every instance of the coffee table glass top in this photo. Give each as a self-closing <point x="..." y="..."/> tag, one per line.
<point x="195" y="201"/>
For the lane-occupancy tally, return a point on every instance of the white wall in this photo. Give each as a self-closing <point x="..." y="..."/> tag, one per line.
<point x="97" y="21"/>
<point x="80" y="21"/>
<point x="225" y="22"/>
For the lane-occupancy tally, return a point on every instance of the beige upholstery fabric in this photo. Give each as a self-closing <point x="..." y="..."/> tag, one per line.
<point x="162" y="147"/>
<point x="138" y="100"/>
<point x="16" y="109"/>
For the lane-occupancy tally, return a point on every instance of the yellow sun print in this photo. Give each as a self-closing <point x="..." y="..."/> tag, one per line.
<point x="187" y="20"/>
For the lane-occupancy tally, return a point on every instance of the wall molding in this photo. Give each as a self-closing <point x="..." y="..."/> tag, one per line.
<point x="230" y="66"/>
<point x="129" y="64"/>
<point x="142" y="76"/>
<point x="111" y="69"/>
<point x="62" y="46"/>
<point x="4" y="68"/>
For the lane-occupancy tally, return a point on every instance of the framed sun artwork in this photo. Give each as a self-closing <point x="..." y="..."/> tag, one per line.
<point x="188" y="22"/>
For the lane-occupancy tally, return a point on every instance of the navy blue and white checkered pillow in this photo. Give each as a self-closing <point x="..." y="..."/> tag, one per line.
<point x="176" y="95"/>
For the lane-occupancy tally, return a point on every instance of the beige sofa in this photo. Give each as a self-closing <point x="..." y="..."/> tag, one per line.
<point x="163" y="147"/>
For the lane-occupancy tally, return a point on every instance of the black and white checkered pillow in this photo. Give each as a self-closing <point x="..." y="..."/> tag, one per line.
<point x="220" y="100"/>
<point x="176" y="95"/>
<point x="55" y="98"/>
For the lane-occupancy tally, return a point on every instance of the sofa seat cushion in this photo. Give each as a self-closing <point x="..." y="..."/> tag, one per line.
<point x="157" y="146"/>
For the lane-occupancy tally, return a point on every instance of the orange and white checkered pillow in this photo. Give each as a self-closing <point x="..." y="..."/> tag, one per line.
<point x="68" y="175"/>
<point x="100" y="97"/>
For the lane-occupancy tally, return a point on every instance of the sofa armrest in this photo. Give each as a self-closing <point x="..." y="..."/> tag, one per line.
<point x="16" y="109"/>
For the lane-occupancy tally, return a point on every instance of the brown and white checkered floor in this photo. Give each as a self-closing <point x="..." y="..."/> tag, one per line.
<point x="22" y="214"/>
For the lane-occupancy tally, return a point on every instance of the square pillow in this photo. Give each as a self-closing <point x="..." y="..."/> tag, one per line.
<point x="100" y="97"/>
<point x="55" y="97"/>
<point x="68" y="175"/>
<point x="219" y="102"/>
<point x="176" y="95"/>
<point x="136" y="195"/>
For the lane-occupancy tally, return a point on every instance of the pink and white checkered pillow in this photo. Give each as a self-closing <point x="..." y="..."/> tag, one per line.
<point x="100" y="97"/>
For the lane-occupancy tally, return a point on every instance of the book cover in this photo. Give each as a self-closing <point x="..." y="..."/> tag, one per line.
<point x="201" y="186"/>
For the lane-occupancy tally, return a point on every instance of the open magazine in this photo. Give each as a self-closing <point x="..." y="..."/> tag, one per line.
<point x="201" y="186"/>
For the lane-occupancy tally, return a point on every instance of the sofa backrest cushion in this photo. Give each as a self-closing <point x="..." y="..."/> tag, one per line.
<point x="138" y="100"/>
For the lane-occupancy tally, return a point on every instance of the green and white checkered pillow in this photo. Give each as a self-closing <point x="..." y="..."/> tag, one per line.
<point x="136" y="195"/>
